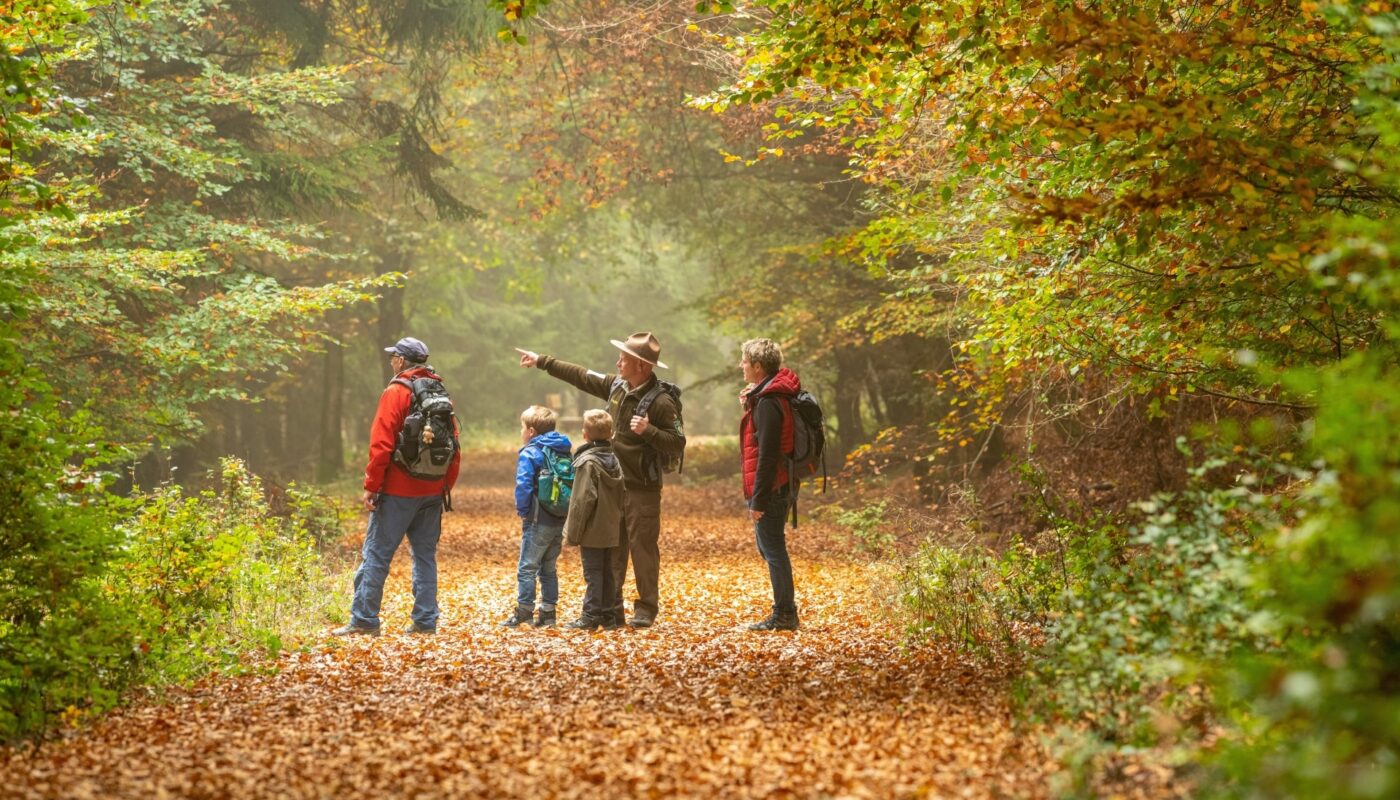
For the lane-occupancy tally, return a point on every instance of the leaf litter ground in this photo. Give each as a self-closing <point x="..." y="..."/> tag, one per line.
<point x="695" y="706"/>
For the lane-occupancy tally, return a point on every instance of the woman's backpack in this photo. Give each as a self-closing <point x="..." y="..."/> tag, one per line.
<point x="808" y="444"/>
<point x="808" y="438"/>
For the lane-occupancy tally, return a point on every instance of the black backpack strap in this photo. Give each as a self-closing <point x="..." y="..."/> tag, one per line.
<point x="650" y="397"/>
<point x="794" y="485"/>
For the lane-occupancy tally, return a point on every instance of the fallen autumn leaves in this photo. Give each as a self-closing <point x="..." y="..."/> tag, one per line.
<point x="695" y="706"/>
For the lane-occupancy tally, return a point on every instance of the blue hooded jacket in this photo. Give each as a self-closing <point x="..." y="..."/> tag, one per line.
<point x="528" y="467"/>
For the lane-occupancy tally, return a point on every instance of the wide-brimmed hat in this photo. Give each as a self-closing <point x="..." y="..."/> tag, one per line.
<point x="410" y="348"/>
<point x="642" y="345"/>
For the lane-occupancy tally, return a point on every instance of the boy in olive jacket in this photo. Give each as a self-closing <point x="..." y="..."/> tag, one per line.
<point x="594" y="522"/>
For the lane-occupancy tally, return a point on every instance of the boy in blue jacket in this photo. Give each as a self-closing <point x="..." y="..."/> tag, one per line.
<point x="541" y="532"/>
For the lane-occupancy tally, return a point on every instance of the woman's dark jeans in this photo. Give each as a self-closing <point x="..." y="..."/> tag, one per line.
<point x="769" y="533"/>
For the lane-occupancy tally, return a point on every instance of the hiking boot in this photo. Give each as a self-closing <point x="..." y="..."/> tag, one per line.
<point x="421" y="630"/>
<point x="522" y="615"/>
<point x="352" y="629"/>
<point x="776" y="622"/>
<point x="586" y="623"/>
<point x="639" y="621"/>
<point x="547" y="619"/>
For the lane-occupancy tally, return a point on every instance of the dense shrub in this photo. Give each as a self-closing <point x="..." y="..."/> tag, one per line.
<point x="867" y="525"/>
<point x="213" y="576"/>
<point x="982" y="601"/>
<point x="1125" y="653"/>
<point x="1119" y="628"/>
<point x="63" y="646"/>
<point x="91" y="605"/>
<point x="1320" y="716"/>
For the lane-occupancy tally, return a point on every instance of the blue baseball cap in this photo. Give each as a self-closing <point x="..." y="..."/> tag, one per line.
<point x="410" y="348"/>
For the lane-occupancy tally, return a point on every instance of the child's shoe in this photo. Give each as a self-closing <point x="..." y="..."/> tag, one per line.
<point x="547" y="619"/>
<point x="522" y="615"/>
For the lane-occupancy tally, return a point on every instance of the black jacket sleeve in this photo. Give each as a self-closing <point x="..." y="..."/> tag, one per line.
<point x="768" y="430"/>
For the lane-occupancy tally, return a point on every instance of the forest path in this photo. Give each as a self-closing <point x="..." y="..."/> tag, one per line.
<point x="695" y="706"/>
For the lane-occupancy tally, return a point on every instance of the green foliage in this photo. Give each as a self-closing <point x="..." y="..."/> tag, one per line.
<point x="1131" y="185"/>
<point x="166" y="276"/>
<point x="972" y="597"/>
<point x="31" y="105"/>
<point x="1170" y="196"/>
<point x="1123" y="651"/>
<point x="1320" y="716"/>
<point x="710" y="458"/>
<point x="868" y="525"/>
<point x="212" y="577"/>
<point x="90" y="605"/>
<point x="63" y="646"/>
<point x="1119" y="630"/>
<point x="323" y="517"/>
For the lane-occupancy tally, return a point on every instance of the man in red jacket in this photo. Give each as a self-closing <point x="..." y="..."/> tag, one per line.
<point x="400" y="505"/>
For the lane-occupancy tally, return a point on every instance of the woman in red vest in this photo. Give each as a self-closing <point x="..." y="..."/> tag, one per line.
<point x="765" y="441"/>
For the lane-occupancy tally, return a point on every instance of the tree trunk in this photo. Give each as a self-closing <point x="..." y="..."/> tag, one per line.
<point x="391" y="311"/>
<point x="878" y="404"/>
<point x="850" y="381"/>
<point x="331" y="456"/>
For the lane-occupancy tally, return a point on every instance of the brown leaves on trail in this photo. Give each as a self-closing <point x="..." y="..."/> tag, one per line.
<point x="695" y="706"/>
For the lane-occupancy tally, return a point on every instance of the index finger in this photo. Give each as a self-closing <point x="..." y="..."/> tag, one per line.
<point x="522" y="352"/>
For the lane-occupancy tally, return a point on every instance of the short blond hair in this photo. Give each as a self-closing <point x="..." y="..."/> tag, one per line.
<point x="598" y="425"/>
<point x="763" y="353"/>
<point x="540" y="419"/>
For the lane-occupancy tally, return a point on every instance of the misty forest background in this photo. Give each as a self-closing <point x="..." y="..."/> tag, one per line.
<point x="1098" y="297"/>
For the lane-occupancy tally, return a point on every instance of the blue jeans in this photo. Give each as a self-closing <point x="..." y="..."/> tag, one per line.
<point x="418" y="518"/>
<point x="540" y="542"/>
<point x="769" y="533"/>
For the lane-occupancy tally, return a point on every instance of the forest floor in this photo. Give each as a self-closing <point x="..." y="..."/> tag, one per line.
<point x="694" y="706"/>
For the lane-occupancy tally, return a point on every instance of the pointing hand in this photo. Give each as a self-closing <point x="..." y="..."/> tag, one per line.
<point x="528" y="358"/>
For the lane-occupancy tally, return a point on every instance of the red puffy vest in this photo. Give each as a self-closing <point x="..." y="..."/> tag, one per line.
<point x="783" y="385"/>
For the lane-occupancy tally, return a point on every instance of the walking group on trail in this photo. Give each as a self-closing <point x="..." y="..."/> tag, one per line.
<point x="604" y="497"/>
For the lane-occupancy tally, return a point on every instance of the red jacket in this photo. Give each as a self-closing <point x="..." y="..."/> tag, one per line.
<point x="766" y="435"/>
<point x="382" y="474"/>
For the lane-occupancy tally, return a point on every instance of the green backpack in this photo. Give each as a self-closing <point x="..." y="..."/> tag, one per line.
<point x="554" y="484"/>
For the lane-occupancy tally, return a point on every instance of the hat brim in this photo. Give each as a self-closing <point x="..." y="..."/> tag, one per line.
<point x="629" y="351"/>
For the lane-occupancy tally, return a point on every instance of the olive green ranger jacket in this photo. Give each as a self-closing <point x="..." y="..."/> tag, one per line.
<point x="638" y="454"/>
